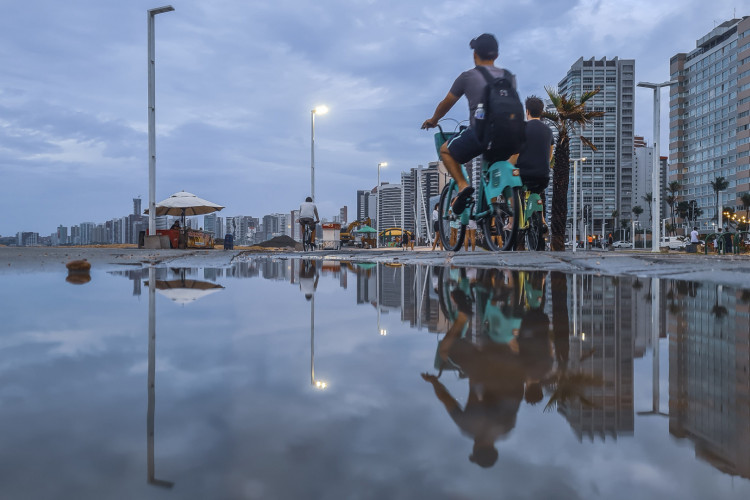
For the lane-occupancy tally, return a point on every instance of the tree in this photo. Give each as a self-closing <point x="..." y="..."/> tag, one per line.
<point x="568" y="114"/>
<point x="671" y="198"/>
<point x="719" y="184"/>
<point x="745" y="197"/>
<point x="649" y="198"/>
<point x="637" y="211"/>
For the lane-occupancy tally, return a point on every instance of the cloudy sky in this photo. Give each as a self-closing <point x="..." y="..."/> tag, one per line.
<point x="236" y="81"/>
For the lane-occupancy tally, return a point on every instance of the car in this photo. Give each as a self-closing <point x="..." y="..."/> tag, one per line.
<point x="673" y="243"/>
<point x="622" y="244"/>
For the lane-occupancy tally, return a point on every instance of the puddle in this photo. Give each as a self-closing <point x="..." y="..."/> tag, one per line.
<point x="316" y="379"/>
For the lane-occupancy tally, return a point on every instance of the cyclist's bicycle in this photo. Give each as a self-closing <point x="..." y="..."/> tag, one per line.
<point x="307" y="243"/>
<point x="496" y="206"/>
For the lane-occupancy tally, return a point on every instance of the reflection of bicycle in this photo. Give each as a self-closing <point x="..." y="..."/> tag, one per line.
<point x="496" y="206"/>
<point x="307" y="243"/>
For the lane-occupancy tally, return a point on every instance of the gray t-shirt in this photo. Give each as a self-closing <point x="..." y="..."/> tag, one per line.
<point x="471" y="83"/>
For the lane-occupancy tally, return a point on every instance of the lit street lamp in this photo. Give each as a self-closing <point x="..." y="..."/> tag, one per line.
<point x="377" y="206"/>
<point x="319" y="110"/>
<point x="152" y="117"/>
<point x="656" y="168"/>
<point x="575" y="201"/>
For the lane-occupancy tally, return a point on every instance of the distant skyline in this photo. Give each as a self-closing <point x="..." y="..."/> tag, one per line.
<point x="236" y="82"/>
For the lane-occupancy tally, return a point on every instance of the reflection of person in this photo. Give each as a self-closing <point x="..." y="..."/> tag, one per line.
<point x="496" y="385"/>
<point x="535" y="351"/>
<point x="308" y="278"/>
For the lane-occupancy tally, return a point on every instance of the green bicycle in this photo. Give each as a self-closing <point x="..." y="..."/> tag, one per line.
<point x="496" y="206"/>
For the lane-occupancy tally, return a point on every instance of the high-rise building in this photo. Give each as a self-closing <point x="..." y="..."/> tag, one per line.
<point x="137" y="206"/>
<point x="606" y="177"/>
<point x="62" y="235"/>
<point x="709" y="119"/>
<point x="390" y="206"/>
<point x="643" y="165"/>
<point x="420" y="184"/>
<point x="363" y="204"/>
<point x="343" y="215"/>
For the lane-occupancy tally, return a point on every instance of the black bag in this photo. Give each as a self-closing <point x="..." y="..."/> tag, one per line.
<point x="502" y="131"/>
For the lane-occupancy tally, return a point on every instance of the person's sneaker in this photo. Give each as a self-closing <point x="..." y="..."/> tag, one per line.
<point x="459" y="204"/>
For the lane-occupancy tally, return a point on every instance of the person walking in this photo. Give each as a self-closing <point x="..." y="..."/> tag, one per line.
<point x="436" y="227"/>
<point x="471" y="235"/>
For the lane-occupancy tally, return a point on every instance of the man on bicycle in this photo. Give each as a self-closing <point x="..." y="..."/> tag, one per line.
<point x="308" y="216"/>
<point x="466" y="145"/>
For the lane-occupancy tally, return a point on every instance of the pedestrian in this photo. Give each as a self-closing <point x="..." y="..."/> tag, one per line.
<point x="717" y="243"/>
<point x="455" y="225"/>
<point x="727" y="240"/>
<point x="404" y="240"/>
<point x="471" y="235"/>
<point x="436" y="227"/>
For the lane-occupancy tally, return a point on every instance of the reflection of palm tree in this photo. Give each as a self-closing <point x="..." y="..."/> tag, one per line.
<point x="568" y="387"/>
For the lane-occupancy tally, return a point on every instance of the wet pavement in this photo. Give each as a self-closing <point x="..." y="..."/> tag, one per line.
<point x="268" y="377"/>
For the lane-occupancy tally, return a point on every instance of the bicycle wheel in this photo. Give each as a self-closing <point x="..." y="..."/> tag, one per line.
<point x="494" y="225"/>
<point x="446" y="197"/>
<point x="534" y="233"/>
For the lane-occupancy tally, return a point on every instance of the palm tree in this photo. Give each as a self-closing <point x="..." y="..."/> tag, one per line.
<point x="637" y="211"/>
<point x="671" y="198"/>
<point x="719" y="184"/>
<point x="745" y="197"/>
<point x="649" y="198"/>
<point x="568" y="114"/>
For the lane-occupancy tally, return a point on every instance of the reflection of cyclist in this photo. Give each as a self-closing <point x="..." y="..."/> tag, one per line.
<point x="466" y="146"/>
<point x="308" y="278"/>
<point x="308" y="216"/>
<point x="496" y="388"/>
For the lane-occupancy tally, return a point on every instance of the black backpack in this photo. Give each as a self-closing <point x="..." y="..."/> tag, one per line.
<point x="502" y="131"/>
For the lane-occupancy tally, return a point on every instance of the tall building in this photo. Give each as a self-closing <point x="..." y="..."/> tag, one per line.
<point x="643" y="158"/>
<point x="606" y="177"/>
<point x="209" y="223"/>
<point x="390" y="206"/>
<point x="363" y="204"/>
<point x="420" y="184"/>
<point x="709" y="119"/>
<point x="343" y="215"/>
<point x="137" y="206"/>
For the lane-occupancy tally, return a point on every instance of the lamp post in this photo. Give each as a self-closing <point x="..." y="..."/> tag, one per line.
<point x="377" y="207"/>
<point x="656" y="167"/>
<point x="150" y="14"/>
<point x="575" y="201"/>
<point x="319" y="110"/>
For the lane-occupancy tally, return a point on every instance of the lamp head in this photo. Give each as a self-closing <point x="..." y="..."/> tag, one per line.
<point x="320" y="110"/>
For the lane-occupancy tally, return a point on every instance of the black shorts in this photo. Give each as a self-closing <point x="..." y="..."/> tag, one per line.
<point x="436" y="226"/>
<point x="309" y="221"/>
<point x="535" y="184"/>
<point x="466" y="146"/>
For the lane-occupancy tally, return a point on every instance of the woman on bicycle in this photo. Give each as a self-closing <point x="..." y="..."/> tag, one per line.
<point x="308" y="215"/>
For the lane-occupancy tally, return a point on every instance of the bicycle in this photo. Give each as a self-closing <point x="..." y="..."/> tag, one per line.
<point x="307" y="243"/>
<point x="497" y="208"/>
<point x="496" y="205"/>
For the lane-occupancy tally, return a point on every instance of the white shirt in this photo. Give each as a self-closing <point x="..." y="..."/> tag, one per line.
<point x="435" y="215"/>
<point x="694" y="236"/>
<point x="307" y="210"/>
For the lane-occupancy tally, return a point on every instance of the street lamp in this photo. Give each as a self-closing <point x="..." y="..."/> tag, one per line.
<point x="377" y="207"/>
<point x="575" y="200"/>
<point x="656" y="167"/>
<point x="152" y="117"/>
<point x="319" y="110"/>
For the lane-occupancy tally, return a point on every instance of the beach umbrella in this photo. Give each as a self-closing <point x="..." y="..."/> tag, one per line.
<point x="184" y="291"/>
<point x="185" y="204"/>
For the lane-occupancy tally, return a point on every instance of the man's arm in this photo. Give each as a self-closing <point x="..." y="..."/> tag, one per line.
<point x="317" y="218"/>
<point x="442" y="108"/>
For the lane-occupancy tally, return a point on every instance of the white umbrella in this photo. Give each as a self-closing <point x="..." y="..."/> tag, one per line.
<point x="184" y="203"/>
<point x="184" y="291"/>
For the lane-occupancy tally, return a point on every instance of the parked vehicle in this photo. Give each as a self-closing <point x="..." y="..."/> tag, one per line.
<point x="622" y="244"/>
<point x="673" y="243"/>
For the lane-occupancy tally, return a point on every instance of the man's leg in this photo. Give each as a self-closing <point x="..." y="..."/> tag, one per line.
<point x="453" y="167"/>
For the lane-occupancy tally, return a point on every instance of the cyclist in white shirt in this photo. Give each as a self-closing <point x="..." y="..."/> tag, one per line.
<point x="308" y="215"/>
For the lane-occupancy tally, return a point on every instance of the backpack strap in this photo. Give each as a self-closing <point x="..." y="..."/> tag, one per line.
<point x="486" y="74"/>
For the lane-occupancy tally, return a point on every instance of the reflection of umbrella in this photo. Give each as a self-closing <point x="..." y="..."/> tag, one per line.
<point x="183" y="291"/>
<point x="184" y="203"/>
<point x="365" y="229"/>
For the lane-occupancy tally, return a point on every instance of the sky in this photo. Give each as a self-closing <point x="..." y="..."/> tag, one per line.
<point x="236" y="82"/>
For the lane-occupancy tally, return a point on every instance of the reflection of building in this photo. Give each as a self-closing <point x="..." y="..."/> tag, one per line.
<point x="709" y="374"/>
<point x="601" y="348"/>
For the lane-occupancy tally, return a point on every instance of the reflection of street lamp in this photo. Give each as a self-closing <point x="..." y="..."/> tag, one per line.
<point x="318" y="384"/>
<point x="656" y="167"/>
<point x="575" y="200"/>
<point x="383" y="332"/>
<point x="151" y="469"/>
<point x="377" y="206"/>
<point x="320" y="110"/>
<point x="152" y="118"/>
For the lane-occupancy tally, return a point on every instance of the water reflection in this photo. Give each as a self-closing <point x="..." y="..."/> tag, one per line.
<point x="511" y="345"/>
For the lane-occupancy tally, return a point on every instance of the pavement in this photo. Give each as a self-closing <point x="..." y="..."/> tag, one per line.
<point x="732" y="270"/>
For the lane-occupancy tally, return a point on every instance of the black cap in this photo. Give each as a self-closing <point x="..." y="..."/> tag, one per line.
<point x="485" y="45"/>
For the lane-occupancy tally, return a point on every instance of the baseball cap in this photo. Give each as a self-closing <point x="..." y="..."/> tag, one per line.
<point x="485" y="45"/>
